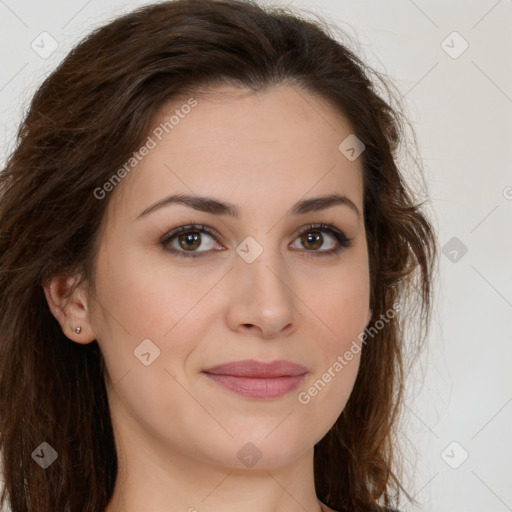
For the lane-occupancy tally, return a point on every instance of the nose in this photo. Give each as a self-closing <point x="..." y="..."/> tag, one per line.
<point x="262" y="301"/>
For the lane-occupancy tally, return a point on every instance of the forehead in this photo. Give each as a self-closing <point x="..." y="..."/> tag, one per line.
<point x="277" y="145"/>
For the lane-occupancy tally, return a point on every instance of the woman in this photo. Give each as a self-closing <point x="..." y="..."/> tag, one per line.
<point x="206" y="250"/>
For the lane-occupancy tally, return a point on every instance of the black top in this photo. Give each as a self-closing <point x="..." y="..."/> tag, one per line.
<point x="375" y="508"/>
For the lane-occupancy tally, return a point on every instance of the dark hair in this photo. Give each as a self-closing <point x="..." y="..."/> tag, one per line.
<point x="69" y="144"/>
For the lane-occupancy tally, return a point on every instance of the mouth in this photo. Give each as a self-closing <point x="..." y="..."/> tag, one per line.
<point x="257" y="379"/>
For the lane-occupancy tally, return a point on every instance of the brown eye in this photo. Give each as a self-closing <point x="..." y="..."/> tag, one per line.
<point x="313" y="238"/>
<point x="186" y="240"/>
<point x="189" y="241"/>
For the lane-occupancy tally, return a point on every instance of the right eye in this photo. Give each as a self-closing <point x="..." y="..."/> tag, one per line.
<point x="184" y="241"/>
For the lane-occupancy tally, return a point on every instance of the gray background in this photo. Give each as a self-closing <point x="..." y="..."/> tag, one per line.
<point x="461" y="107"/>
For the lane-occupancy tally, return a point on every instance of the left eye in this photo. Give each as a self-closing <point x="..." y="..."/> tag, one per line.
<point x="312" y="238"/>
<point x="189" y="238"/>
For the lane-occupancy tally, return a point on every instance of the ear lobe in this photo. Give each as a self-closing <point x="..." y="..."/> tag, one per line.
<point x="70" y="307"/>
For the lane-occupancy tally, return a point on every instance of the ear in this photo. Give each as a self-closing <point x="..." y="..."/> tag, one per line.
<point x="70" y="307"/>
<point x="370" y="313"/>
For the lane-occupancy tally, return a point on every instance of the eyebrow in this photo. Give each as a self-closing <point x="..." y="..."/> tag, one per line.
<point x="217" y="207"/>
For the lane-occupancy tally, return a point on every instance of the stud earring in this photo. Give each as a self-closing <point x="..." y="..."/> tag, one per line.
<point x="78" y="329"/>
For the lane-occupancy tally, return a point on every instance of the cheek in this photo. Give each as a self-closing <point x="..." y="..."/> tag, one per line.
<point x="146" y="297"/>
<point x="340" y="309"/>
<point x="139" y="300"/>
<point x="340" y="304"/>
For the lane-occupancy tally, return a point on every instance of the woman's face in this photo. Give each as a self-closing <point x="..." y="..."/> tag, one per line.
<point x="262" y="286"/>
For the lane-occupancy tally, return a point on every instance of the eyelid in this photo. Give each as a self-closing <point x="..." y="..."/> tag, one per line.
<point x="343" y="241"/>
<point x="167" y="238"/>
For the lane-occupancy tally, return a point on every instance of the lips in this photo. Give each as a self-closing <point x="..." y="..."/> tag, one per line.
<point x="257" y="369"/>
<point x="254" y="379"/>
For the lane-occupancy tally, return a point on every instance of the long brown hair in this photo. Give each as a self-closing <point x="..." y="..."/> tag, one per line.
<point x="83" y="123"/>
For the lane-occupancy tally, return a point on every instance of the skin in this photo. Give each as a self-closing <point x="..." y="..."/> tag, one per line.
<point x="177" y="431"/>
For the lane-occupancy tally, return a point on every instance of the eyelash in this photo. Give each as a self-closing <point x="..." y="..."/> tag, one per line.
<point x="339" y="236"/>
